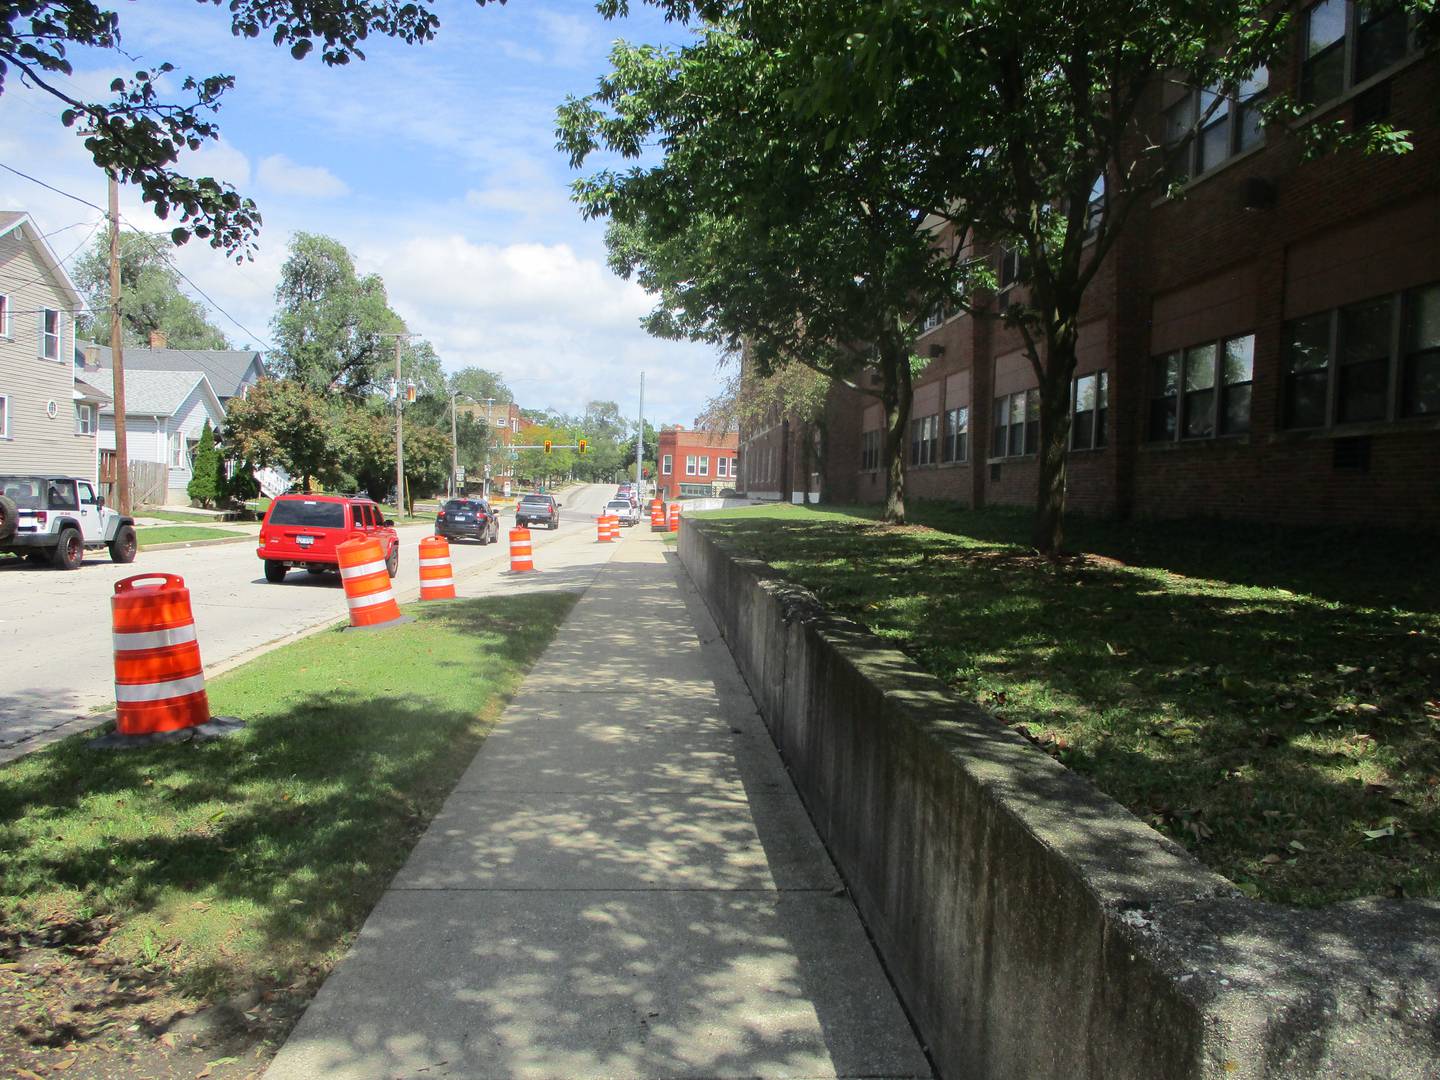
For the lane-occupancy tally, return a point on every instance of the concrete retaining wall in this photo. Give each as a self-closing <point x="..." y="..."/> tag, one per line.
<point x="1033" y="926"/>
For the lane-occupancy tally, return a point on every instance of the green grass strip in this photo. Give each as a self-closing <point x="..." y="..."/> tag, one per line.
<point x="150" y="535"/>
<point x="253" y="859"/>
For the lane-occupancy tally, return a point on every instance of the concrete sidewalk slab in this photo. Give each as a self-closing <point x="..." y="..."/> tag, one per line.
<point x="581" y="985"/>
<point x="623" y="884"/>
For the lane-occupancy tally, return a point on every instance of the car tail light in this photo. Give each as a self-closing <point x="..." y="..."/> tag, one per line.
<point x="41" y="517"/>
<point x="440" y="515"/>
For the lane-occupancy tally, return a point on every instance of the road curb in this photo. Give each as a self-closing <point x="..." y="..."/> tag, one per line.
<point x="213" y="542"/>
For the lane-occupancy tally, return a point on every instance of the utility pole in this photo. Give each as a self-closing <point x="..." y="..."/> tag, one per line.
<point x="640" y="435"/>
<point x="454" y="452"/>
<point x="399" y="435"/>
<point x="122" y="456"/>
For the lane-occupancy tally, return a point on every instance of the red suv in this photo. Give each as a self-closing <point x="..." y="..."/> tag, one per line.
<point x="304" y="530"/>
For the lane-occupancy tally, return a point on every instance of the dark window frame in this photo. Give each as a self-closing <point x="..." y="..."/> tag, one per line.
<point x="1220" y="392"/>
<point x="955" y="436"/>
<point x="1184" y="114"/>
<point x="1401" y="388"/>
<point x="1346" y="52"/>
<point x="1008" y="424"/>
<point x="925" y="440"/>
<point x="1098" y="437"/>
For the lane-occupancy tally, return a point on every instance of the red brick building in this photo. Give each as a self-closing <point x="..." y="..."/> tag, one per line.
<point x="1267" y="347"/>
<point x="696" y="463"/>
<point x="503" y="421"/>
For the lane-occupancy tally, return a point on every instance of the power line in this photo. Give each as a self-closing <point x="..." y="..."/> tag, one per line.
<point x="165" y="255"/>
<point x="48" y="187"/>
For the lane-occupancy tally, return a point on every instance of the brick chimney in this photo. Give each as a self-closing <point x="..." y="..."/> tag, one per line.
<point x="92" y="357"/>
<point x="158" y="340"/>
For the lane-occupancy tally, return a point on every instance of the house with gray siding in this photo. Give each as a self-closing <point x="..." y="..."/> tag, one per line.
<point x="48" y="417"/>
<point x="231" y="371"/>
<point x="165" y="412"/>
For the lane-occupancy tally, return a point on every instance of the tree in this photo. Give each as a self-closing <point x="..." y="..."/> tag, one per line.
<point x="755" y="227"/>
<point x="330" y="323"/>
<point x="286" y="424"/>
<point x="1025" y="120"/>
<point x="480" y="385"/>
<point x="207" y="479"/>
<point x="794" y="394"/>
<point x="137" y="135"/>
<point x="151" y="297"/>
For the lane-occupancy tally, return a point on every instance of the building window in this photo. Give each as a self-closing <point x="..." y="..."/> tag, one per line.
<point x="690" y="465"/>
<point x="1340" y="364"/>
<point x="666" y="464"/>
<point x="1202" y="391"/>
<point x="1017" y="424"/>
<point x="956" y="444"/>
<point x="1089" y="403"/>
<point x="5" y="316"/>
<point x="1420" y="384"/>
<point x="870" y="450"/>
<point x="925" y="440"/>
<point x="933" y="318"/>
<point x="1011" y="273"/>
<point x="50" y="334"/>
<point x="704" y="465"/>
<point x="4" y="416"/>
<point x="1229" y="123"/>
<point x="84" y="419"/>
<point x="722" y="467"/>
<point x="1346" y="44"/>
<point x="177" y="449"/>
<point x="1095" y="208"/>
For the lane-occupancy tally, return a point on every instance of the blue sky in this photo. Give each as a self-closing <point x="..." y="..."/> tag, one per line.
<point x="434" y="164"/>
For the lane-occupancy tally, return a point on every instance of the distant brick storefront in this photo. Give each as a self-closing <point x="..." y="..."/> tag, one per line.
<point x="696" y="463"/>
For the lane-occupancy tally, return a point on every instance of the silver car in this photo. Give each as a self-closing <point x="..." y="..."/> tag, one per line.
<point x="623" y="509"/>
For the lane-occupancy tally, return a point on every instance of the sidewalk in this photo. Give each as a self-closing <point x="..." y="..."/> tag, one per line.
<point x="623" y="884"/>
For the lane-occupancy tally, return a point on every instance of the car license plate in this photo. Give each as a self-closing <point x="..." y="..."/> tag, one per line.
<point x="305" y="541"/>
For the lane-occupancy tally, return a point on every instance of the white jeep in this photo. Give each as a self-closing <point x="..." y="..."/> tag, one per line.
<point x="55" y="518"/>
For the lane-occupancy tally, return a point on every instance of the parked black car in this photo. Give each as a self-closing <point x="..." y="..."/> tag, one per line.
<point x="470" y="519"/>
<point x="537" y="510"/>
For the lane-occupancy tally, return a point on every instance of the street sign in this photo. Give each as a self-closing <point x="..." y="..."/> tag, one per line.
<point x="460" y="475"/>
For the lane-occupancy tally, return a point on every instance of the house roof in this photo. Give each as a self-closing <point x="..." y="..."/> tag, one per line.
<point x="19" y="219"/>
<point x="88" y="391"/>
<point x="159" y="393"/>
<point x="225" y="368"/>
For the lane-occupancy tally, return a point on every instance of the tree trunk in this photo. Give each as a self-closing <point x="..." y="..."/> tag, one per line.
<point x="787" y="489"/>
<point x="1056" y="375"/>
<point x="822" y="449"/>
<point x="806" y="448"/>
<point x="895" y="394"/>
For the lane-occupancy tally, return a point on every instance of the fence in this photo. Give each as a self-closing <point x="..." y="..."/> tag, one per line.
<point x="148" y="480"/>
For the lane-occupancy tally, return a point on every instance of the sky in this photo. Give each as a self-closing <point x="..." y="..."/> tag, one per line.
<point x="435" y="165"/>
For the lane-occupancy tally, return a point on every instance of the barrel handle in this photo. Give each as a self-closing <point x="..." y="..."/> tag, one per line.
<point x="169" y="581"/>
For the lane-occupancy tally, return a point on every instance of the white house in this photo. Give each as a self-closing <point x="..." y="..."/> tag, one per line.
<point x="47" y="415"/>
<point x="165" y="412"/>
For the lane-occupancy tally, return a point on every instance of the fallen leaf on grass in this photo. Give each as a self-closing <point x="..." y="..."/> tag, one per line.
<point x="1295" y="845"/>
<point x="1271" y="859"/>
<point x="61" y="1066"/>
<point x="1376" y="834"/>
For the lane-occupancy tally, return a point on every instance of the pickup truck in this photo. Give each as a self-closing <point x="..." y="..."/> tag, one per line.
<point x="55" y="519"/>
<point x="537" y="510"/>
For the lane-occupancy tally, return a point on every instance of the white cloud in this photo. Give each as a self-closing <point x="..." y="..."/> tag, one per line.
<point x="285" y="177"/>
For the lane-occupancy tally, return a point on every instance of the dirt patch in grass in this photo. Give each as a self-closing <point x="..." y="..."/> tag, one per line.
<point x="170" y="910"/>
<point x="1279" y="715"/>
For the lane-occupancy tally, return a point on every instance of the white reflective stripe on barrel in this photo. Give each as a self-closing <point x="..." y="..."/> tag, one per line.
<point x="371" y="600"/>
<point x="159" y="691"/>
<point x="435" y="562"/>
<point x="436" y="582"/>
<point x="154" y="639"/>
<point x="363" y="569"/>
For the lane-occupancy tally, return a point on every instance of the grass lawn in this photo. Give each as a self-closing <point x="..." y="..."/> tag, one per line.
<point x="1269" y="698"/>
<point x="250" y="862"/>
<point x="148" y="535"/>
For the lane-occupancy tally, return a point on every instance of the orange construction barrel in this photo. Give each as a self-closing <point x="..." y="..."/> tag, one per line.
<point x="159" y="681"/>
<point x="367" y="583"/>
<point x="674" y="517"/>
<point x="602" y="529"/>
<point x="521" y="559"/>
<point x="437" y="580"/>
<point x="657" y="515"/>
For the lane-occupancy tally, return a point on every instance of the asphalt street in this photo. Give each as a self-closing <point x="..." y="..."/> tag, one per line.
<point x="57" y="668"/>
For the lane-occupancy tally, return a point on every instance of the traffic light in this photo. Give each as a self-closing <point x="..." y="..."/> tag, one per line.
<point x="547" y="446"/>
<point x="583" y="444"/>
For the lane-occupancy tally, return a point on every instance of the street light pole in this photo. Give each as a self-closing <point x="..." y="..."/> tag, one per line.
<point x="399" y="437"/>
<point x="640" y="435"/>
<point x="454" y="452"/>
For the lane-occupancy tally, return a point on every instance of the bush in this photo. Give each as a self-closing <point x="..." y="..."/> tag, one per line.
<point x="207" y="479"/>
